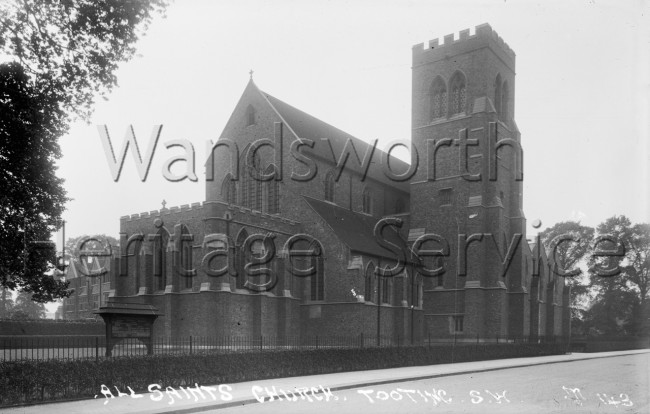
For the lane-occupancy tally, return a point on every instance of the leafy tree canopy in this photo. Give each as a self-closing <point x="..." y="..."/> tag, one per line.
<point x="623" y="296"/>
<point x="73" y="256"/>
<point x="58" y="56"/>
<point x="570" y="254"/>
<point x="72" y="48"/>
<point x="33" y="198"/>
<point x="26" y="308"/>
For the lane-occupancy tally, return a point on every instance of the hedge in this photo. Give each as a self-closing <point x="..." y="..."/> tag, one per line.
<point x="24" y="382"/>
<point x="608" y="345"/>
<point x="10" y="327"/>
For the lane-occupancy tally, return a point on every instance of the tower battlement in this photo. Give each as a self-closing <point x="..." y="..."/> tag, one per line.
<point x="450" y="45"/>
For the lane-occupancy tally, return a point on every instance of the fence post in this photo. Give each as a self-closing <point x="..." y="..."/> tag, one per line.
<point x="316" y="341"/>
<point x="96" y="349"/>
<point x="261" y="342"/>
<point x="190" y="344"/>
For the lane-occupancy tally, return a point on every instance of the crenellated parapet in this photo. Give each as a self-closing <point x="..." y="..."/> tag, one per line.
<point x="451" y="45"/>
<point x="206" y="215"/>
<point x="171" y="210"/>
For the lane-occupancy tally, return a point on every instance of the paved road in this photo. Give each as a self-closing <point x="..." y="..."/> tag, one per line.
<point x="608" y="385"/>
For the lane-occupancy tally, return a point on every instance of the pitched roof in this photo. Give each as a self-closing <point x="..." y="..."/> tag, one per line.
<point x="310" y="127"/>
<point x="356" y="229"/>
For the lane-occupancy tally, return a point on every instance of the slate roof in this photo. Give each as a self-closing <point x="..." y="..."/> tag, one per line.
<point x="356" y="229"/>
<point x="310" y="127"/>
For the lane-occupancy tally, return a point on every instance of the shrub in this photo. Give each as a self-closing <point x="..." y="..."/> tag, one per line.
<point x="35" y="381"/>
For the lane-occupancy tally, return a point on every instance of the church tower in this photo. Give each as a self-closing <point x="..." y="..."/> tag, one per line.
<point x="469" y="182"/>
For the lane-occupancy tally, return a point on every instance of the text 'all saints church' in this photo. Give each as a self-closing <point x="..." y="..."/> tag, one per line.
<point x="462" y="104"/>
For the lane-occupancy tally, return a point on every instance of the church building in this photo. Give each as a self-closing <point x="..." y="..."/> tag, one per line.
<point x="286" y="244"/>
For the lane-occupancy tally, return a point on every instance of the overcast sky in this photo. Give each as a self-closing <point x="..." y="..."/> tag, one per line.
<point x="581" y="94"/>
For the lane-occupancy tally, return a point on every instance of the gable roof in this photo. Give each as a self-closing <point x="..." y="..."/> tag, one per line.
<point x="356" y="229"/>
<point x="309" y="127"/>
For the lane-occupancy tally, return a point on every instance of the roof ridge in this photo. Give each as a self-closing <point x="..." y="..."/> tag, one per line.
<point x="265" y="96"/>
<point x="363" y="141"/>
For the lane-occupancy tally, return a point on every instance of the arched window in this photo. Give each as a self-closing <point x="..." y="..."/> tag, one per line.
<point x="241" y="259"/>
<point x="497" y="94"/>
<point x="505" y="102"/>
<point x="329" y="186"/>
<point x="257" y="183"/>
<point x="438" y="96"/>
<point x="250" y="115"/>
<point x="186" y="258"/>
<point x="251" y="186"/>
<point x="141" y="269"/>
<point x="160" y="247"/>
<point x="369" y="285"/>
<point x="229" y="190"/>
<point x="366" y="201"/>
<point x="317" y="279"/>
<point x="272" y="193"/>
<point x="386" y="290"/>
<point x="257" y="199"/>
<point x="246" y="184"/>
<point x="458" y="92"/>
<point x="137" y="263"/>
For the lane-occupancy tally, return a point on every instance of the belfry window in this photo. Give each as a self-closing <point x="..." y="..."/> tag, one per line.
<point x="505" y="102"/>
<point x="458" y="97"/>
<point x="497" y="95"/>
<point x="438" y="95"/>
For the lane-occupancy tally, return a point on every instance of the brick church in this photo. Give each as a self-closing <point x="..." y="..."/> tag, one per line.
<point x="276" y="173"/>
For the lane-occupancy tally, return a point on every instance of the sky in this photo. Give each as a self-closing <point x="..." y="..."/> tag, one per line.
<point x="581" y="100"/>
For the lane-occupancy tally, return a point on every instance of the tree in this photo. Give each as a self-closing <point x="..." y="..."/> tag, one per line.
<point x="71" y="48"/>
<point x="6" y="303"/>
<point x="33" y="197"/>
<point x="568" y="255"/>
<point x="26" y="308"/>
<point x="621" y="302"/>
<point x="71" y="245"/>
<point x="73" y="253"/>
<point x="59" y="57"/>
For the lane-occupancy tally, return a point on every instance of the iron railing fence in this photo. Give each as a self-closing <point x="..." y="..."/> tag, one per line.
<point x="86" y="347"/>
